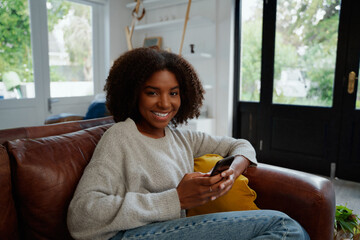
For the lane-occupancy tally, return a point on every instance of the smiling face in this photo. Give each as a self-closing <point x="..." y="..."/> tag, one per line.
<point x="159" y="101"/>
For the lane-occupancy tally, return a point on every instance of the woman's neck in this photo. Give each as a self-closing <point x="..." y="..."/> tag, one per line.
<point x="153" y="133"/>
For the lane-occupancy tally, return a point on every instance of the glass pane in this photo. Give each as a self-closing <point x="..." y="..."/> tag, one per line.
<point x="305" y="51"/>
<point x="16" y="70"/>
<point x="70" y="49"/>
<point x="250" y="62"/>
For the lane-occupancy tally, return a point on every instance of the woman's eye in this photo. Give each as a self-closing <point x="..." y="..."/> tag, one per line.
<point x="174" y="93"/>
<point x="150" y="93"/>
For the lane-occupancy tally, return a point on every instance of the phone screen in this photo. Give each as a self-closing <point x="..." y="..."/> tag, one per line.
<point x="222" y="165"/>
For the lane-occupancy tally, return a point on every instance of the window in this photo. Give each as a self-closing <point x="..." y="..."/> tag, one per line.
<point x="306" y="35"/>
<point x="70" y="48"/>
<point x="305" y="52"/>
<point x="74" y="47"/>
<point x="251" y="41"/>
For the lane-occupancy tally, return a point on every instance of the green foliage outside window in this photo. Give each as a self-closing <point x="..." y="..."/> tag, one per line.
<point x="15" y="36"/>
<point x="251" y="60"/>
<point x="15" y="44"/>
<point x="312" y="32"/>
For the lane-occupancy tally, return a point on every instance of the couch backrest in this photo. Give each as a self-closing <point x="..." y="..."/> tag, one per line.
<point x="51" y="129"/>
<point x="45" y="172"/>
<point x="8" y="218"/>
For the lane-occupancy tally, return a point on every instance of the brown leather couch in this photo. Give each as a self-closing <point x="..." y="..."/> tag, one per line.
<point x="40" y="168"/>
<point x="52" y="129"/>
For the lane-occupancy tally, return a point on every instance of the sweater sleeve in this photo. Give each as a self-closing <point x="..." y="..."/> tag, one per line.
<point x="204" y="144"/>
<point x="103" y="204"/>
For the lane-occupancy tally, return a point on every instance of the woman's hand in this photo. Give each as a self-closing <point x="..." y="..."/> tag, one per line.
<point x="240" y="164"/>
<point x="196" y="189"/>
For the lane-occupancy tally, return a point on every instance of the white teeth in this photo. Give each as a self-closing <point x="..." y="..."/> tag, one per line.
<point x="161" y="114"/>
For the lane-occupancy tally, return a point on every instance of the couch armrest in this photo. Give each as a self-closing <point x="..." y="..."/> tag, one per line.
<point x="305" y="197"/>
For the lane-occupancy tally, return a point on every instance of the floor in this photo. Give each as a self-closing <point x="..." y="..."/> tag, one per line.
<point x="347" y="194"/>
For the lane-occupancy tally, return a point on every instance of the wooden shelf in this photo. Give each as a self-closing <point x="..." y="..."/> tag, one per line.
<point x="176" y="24"/>
<point x="154" y="4"/>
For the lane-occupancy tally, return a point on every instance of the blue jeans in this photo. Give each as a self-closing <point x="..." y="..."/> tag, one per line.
<point x="259" y="224"/>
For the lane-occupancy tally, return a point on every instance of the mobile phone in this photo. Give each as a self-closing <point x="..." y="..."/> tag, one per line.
<point x="222" y="165"/>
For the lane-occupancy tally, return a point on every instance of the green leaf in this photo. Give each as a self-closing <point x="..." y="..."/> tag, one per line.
<point x="345" y="219"/>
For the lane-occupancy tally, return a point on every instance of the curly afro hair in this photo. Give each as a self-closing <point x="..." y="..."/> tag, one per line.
<point x="132" y="69"/>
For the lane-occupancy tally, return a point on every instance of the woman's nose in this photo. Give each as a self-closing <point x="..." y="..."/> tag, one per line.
<point x="164" y="101"/>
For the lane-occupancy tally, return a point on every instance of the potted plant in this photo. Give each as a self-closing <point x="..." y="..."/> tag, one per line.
<point x="347" y="225"/>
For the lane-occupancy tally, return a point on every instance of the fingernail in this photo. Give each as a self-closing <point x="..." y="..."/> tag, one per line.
<point x="213" y="198"/>
<point x="222" y="186"/>
<point x="223" y="174"/>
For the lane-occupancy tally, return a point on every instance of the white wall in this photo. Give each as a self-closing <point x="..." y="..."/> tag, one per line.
<point x="224" y="65"/>
<point x="222" y="92"/>
<point x="118" y="17"/>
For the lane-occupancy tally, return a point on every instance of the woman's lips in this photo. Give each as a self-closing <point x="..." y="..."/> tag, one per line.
<point x="161" y="114"/>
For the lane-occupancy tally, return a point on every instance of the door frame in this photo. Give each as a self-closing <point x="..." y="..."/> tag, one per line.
<point x="347" y="167"/>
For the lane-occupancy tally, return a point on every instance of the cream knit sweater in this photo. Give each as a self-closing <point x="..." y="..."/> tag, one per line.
<point x="131" y="179"/>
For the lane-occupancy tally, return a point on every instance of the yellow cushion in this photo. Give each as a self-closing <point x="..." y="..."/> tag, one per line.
<point x="240" y="197"/>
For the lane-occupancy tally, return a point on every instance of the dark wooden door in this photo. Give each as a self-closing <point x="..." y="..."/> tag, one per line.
<point x="324" y="129"/>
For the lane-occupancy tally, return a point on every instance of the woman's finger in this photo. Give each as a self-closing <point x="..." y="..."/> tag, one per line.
<point x="227" y="172"/>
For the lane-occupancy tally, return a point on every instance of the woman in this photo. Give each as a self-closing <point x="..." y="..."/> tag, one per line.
<point x="140" y="180"/>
